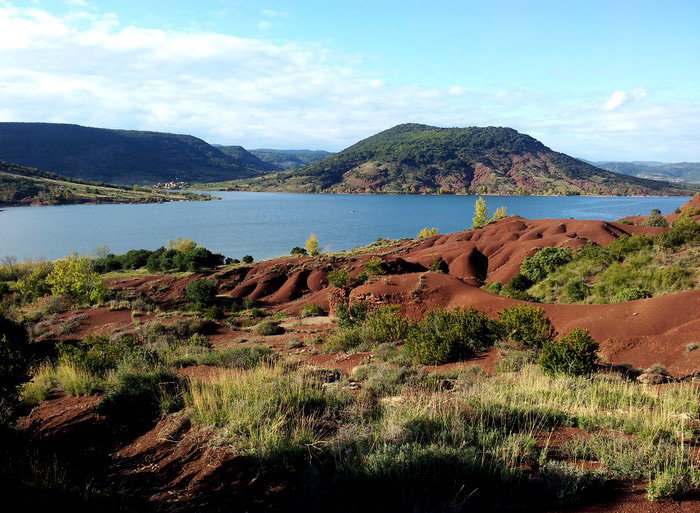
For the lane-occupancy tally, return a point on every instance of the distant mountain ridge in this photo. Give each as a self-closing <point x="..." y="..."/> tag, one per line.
<point x="20" y="185"/>
<point x="290" y="159"/>
<point x="673" y="171"/>
<point x="121" y="156"/>
<point x="415" y="158"/>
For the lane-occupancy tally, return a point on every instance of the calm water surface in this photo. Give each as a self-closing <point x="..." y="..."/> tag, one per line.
<point x="270" y="224"/>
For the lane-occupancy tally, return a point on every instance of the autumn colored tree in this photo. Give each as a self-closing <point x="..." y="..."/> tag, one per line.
<point x="312" y="245"/>
<point x="75" y="277"/>
<point x="481" y="213"/>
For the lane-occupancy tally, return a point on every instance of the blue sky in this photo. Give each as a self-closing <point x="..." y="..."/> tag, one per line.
<point x="613" y="80"/>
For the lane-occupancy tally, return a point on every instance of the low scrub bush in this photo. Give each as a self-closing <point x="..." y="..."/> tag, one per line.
<point x="201" y="293"/>
<point x="96" y="354"/>
<point x="239" y="358"/>
<point x="312" y="310"/>
<point x="537" y="267"/>
<point x="655" y="219"/>
<point x="573" y="354"/>
<point x="526" y="325"/>
<point x="339" y="278"/>
<point x="137" y="394"/>
<point x="447" y="336"/>
<point x="351" y="314"/>
<point x="269" y="327"/>
<point x="375" y="265"/>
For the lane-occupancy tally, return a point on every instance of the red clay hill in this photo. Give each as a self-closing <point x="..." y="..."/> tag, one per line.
<point x="641" y="333"/>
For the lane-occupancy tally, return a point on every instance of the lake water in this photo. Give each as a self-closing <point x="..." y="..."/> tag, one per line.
<point x="270" y="224"/>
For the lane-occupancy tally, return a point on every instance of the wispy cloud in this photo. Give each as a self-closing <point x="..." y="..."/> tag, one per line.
<point x="89" y="68"/>
<point x="269" y="13"/>
<point x="619" y="98"/>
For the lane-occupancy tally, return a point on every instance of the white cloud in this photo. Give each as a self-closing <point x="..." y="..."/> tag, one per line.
<point x="89" y="68"/>
<point x="619" y="98"/>
<point x="269" y="13"/>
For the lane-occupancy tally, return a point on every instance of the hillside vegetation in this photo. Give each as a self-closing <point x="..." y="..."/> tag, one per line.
<point x="290" y="159"/>
<point x="120" y="156"/>
<point x="413" y="158"/>
<point x="21" y="185"/>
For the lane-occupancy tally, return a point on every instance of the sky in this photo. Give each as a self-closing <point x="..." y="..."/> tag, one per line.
<point x="601" y="80"/>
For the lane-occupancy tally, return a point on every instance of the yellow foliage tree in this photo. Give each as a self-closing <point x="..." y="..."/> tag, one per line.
<point x="427" y="232"/>
<point x="182" y="244"/>
<point x="312" y="245"/>
<point x="500" y="213"/>
<point x="481" y="213"/>
<point x="75" y="277"/>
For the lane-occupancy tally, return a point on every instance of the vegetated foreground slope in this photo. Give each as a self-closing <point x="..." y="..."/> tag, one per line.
<point x="238" y="403"/>
<point x="120" y="156"/>
<point x="414" y="158"/>
<point x="20" y="185"/>
<point x="670" y="171"/>
<point x="290" y="159"/>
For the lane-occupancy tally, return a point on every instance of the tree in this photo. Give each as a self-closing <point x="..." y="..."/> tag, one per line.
<point x="500" y="213"/>
<point x="182" y="244"/>
<point x="312" y="245"/>
<point x="481" y="212"/>
<point x="201" y="293"/>
<point x="14" y="365"/>
<point x="76" y="277"/>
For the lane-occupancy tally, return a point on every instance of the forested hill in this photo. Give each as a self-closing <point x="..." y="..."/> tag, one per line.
<point x="20" y="185"/>
<point x="119" y="156"/>
<point x="290" y="159"/>
<point x="413" y="158"/>
<point x="671" y="171"/>
<point x="248" y="158"/>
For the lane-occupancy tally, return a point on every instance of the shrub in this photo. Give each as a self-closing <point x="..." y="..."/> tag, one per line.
<point x="565" y="483"/>
<point x="375" y="265"/>
<point x="4" y="289"/>
<point x="438" y="265"/>
<point x="351" y="314"/>
<point x="690" y="212"/>
<point x="573" y="354"/>
<point x="201" y="293"/>
<point x="344" y="340"/>
<point x="630" y="294"/>
<point x="427" y="232"/>
<point x="14" y="366"/>
<point x="384" y="325"/>
<point x="446" y="336"/>
<point x="33" y="284"/>
<point x="312" y="245"/>
<point x="494" y="288"/>
<point x="526" y="325"/>
<point x="239" y="358"/>
<point x="519" y="282"/>
<point x="655" y="219"/>
<point x="137" y="395"/>
<point x="481" y="214"/>
<point x="297" y="251"/>
<point x="671" y="482"/>
<point x="96" y="354"/>
<point x="544" y="262"/>
<point x="576" y="291"/>
<point x="75" y="276"/>
<point x="269" y="327"/>
<point x="338" y="278"/>
<point x="247" y="259"/>
<point x="684" y="231"/>
<point x="312" y="310"/>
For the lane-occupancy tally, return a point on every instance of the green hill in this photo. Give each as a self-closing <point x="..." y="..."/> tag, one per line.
<point x="674" y="172"/>
<point x="119" y="156"/>
<point x="413" y="158"/>
<point x="290" y="159"/>
<point x="21" y="185"/>
<point x="248" y="158"/>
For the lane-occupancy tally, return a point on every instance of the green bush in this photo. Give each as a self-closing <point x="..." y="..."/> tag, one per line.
<point x="684" y="231"/>
<point x="351" y="314"/>
<point x="375" y="265"/>
<point x="385" y="324"/>
<point x="269" y="327"/>
<point x="544" y="262"/>
<point x="139" y="395"/>
<point x="438" y="265"/>
<point x="447" y="336"/>
<point x="526" y="325"/>
<point x="247" y="259"/>
<point x="339" y="278"/>
<point x="630" y="294"/>
<point x="519" y="282"/>
<point x="655" y="219"/>
<point x="96" y="354"/>
<point x="4" y="289"/>
<point x="298" y="251"/>
<point x="201" y="293"/>
<point x="576" y="291"/>
<point x="239" y="358"/>
<point x="14" y="366"/>
<point x="312" y="310"/>
<point x="573" y="354"/>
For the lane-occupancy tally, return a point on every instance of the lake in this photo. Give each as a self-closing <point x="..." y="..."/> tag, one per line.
<point x="265" y="225"/>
